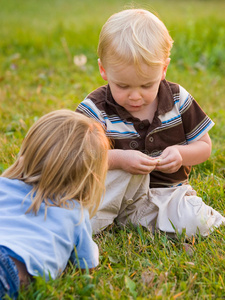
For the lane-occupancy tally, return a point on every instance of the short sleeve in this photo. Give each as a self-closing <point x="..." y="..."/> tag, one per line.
<point x="86" y="252"/>
<point x="89" y="109"/>
<point x="195" y="121"/>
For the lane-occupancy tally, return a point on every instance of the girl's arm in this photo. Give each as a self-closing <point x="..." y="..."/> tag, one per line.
<point x="24" y="276"/>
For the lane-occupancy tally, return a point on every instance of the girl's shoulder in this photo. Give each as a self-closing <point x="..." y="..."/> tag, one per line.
<point x="14" y="184"/>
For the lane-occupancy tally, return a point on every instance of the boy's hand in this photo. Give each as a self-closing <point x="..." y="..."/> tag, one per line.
<point x="174" y="157"/>
<point x="131" y="161"/>
<point x="170" y="160"/>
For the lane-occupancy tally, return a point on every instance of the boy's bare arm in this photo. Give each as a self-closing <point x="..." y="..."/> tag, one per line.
<point x="175" y="156"/>
<point x="131" y="161"/>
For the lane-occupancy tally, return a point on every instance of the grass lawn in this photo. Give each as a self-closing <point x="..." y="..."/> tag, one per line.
<point x="38" y="43"/>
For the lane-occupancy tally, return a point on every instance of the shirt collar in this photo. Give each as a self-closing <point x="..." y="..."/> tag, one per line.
<point x="165" y="96"/>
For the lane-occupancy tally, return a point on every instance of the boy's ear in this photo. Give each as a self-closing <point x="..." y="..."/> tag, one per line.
<point x="165" y="68"/>
<point x="102" y="70"/>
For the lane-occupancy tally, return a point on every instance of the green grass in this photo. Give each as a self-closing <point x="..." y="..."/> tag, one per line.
<point x="38" y="40"/>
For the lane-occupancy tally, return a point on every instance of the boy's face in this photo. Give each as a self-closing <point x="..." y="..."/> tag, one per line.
<point x="131" y="90"/>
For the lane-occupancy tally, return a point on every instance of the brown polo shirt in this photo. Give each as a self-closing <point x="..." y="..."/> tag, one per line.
<point x="179" y="120"/>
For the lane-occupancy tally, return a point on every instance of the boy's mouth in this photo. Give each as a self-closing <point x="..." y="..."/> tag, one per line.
<point x="135" y="106"/>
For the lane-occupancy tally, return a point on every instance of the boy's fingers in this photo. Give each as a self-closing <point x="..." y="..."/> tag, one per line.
<point x="151" y="162"/>
<point x="157" y="160"/>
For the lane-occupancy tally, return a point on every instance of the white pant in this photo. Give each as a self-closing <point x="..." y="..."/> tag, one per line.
<point x="129" y="199"/>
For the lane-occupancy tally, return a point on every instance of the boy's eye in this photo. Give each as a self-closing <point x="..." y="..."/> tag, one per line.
<point x="122" y="86"/>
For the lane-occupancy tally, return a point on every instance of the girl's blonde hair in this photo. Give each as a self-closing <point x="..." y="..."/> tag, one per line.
<point x="134" y="36"/>
<point x="64" y="157"/>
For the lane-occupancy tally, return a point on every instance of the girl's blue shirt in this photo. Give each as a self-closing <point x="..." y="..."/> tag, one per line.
<point x="44" y="244"/>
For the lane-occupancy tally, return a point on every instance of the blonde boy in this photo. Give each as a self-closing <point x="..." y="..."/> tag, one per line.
<point x="156" y="126"/>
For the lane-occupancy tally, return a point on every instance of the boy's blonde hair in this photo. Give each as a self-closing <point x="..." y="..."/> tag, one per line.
<point x="134" y="36"/>
<point x="64" y="157"/>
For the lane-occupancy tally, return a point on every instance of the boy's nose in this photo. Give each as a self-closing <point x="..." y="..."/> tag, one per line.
<point x="134" y="95"/>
